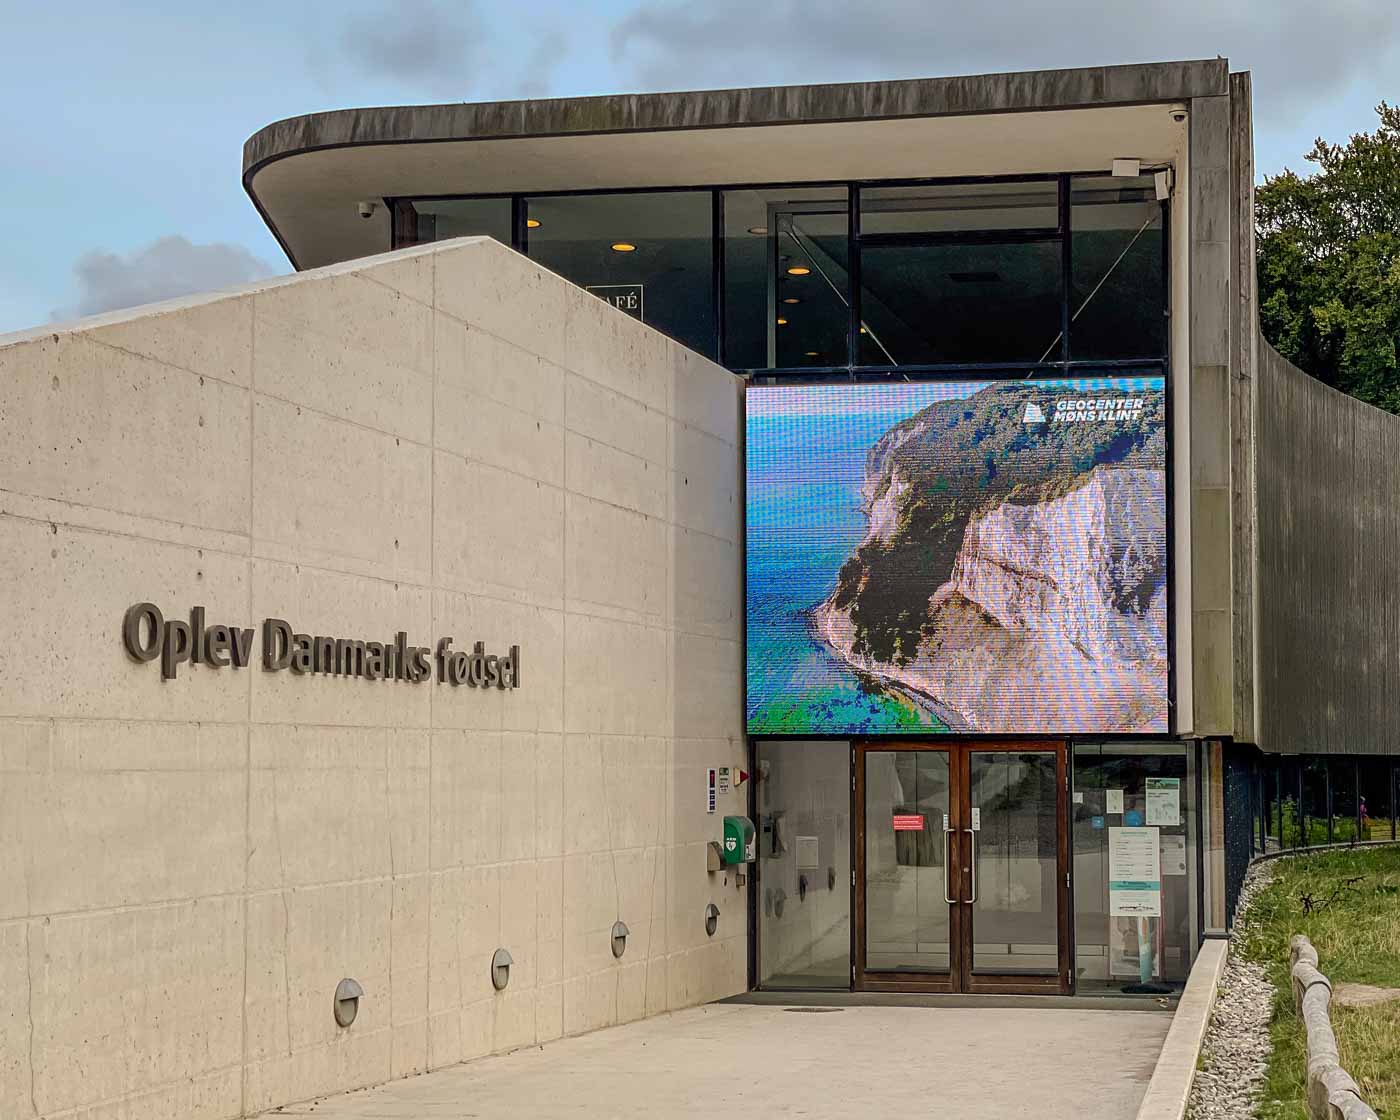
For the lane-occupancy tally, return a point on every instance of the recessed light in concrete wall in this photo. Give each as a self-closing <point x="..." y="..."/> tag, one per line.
<point x="347" y="1001"/>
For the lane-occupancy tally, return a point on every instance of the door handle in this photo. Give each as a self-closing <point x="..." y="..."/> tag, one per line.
<point x="972" y="865"/>
<point x="947" y="869"/>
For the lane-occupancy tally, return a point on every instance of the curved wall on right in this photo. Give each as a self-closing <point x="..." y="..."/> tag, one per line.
<point x="1328" y="582"/>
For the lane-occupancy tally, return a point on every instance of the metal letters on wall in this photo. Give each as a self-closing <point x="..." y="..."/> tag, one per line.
<point x="148" y="636"/>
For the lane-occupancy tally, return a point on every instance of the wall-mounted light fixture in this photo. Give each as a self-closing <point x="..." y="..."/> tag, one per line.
<point x="500" y="969"/>
<point x="347" y="1001"/>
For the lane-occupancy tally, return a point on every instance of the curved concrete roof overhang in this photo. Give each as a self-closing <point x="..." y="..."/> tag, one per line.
<point x="306" y="174"/>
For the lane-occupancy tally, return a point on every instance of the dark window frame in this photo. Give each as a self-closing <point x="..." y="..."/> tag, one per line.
<point x="1065" y="364"/>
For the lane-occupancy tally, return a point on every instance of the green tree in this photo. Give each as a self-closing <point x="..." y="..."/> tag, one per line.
<point x="1329" y="263"/>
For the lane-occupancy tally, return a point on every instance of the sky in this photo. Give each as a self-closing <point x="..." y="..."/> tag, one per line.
<point x="122" y="124"/>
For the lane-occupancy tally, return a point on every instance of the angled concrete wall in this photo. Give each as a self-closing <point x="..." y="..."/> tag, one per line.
<point x="447" y="441"/>
<point x="1329" y="564"/>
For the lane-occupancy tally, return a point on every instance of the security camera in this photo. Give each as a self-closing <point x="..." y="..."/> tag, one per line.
<point x="367" y="209"/>
<point x="1179" y="113"/>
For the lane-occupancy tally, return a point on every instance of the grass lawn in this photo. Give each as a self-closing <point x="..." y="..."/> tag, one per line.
<point x="1358" y="939"/>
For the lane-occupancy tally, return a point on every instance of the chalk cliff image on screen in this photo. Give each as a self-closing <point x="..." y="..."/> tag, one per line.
<point x="974" y="556"/>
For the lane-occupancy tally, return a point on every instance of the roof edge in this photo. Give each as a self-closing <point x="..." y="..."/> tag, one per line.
<point x="1024" y="91"/>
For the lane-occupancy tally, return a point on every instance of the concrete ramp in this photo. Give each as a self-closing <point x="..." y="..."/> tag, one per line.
<point x="806" y="1060"/>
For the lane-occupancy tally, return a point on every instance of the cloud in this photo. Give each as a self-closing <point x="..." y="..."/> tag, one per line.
<point x="445" y="49"/>
<point x="1298" y="48"/>
<point x="416" y="42"/>
<point x="168" y="267"/>
<point x="539" y="66"/>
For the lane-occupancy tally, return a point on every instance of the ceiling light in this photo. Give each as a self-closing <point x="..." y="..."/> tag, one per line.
<point x="782" y="322"/>
<point x="758" y="229"/>
<point x="532" y="223"/>
<point x="792" y="299"/>
<point x="623" y="247"/>
<point x="864" y="331"/>
<point x="813" y="354"/>
<point x="798" y="270"/>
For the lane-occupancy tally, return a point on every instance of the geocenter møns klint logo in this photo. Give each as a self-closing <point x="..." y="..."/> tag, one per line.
<point x="1077" y="411"/>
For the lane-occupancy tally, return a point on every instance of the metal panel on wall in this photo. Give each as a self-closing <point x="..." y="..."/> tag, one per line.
<point x="973" y="556"/>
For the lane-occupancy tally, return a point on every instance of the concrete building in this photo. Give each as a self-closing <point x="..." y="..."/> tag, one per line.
<point x="927" y="467"/>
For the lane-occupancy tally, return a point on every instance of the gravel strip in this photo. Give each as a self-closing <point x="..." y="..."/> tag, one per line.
<point x="1236" y="1050"/>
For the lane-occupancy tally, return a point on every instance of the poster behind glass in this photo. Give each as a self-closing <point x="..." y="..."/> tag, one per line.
<point x="946" y="557"/>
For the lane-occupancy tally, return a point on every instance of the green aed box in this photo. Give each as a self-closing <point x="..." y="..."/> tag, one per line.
<point x="739" y="843"/>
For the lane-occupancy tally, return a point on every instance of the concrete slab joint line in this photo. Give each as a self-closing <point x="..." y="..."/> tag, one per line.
<point x="1332" y="1093"/>
<point x="1170" y="1087"/>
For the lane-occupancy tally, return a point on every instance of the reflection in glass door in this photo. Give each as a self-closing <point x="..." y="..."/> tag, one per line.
<point x="1015" y="862"/>
<point x="907" y="913"/>
<point x="962" y="868"/>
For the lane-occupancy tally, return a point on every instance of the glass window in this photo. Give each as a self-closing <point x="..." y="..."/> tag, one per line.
<point x="960" y="273"/>
<point x="1259" y="821"/>
<point x="1290" y="810"/>
<point x="437" y="219"/>
<point x="1273" y="792"/>
<point x="1342" y="775"/>
<point x="1374" y="799"/>
<point x="1110" y="791"/>
<point x="651" y="255"/>
<point x="804" y="853"/>
<point x="786" y="277"/>
<point x="1314" y="801"/>
<point x="1118" y="299"/>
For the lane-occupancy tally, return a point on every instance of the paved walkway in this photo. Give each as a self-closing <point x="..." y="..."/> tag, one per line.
<point x="735" y="1059"/>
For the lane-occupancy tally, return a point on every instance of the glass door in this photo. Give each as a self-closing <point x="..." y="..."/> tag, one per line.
<point x="1018" y="857"/>
<point x="905" y="852"/>
<point x="962" y="863"/>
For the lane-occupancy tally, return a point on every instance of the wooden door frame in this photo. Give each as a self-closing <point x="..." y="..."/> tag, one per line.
<point x="960" y="977"/>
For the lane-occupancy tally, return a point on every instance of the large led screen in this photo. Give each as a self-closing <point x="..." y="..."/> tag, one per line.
<point x="984" y="557"/>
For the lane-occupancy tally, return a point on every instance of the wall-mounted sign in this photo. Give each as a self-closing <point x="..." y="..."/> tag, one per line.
<point x="627" y="298"/>
<point x="148" y="636"/>
<point x="710" y="790"/>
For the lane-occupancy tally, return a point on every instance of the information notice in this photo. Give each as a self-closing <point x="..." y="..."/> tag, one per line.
<point x="1164" y="801"/>
<point x="1134" y="873"/>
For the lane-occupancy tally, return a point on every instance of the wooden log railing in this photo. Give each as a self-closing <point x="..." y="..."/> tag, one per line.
<point x="1332" y="1093"/>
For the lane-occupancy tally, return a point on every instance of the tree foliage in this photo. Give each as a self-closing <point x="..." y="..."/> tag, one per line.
<point x="1329" y="263"/>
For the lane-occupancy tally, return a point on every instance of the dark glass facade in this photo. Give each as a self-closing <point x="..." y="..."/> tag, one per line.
<point x="1037" y="274"/>
<point x="1307" y="801"/>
